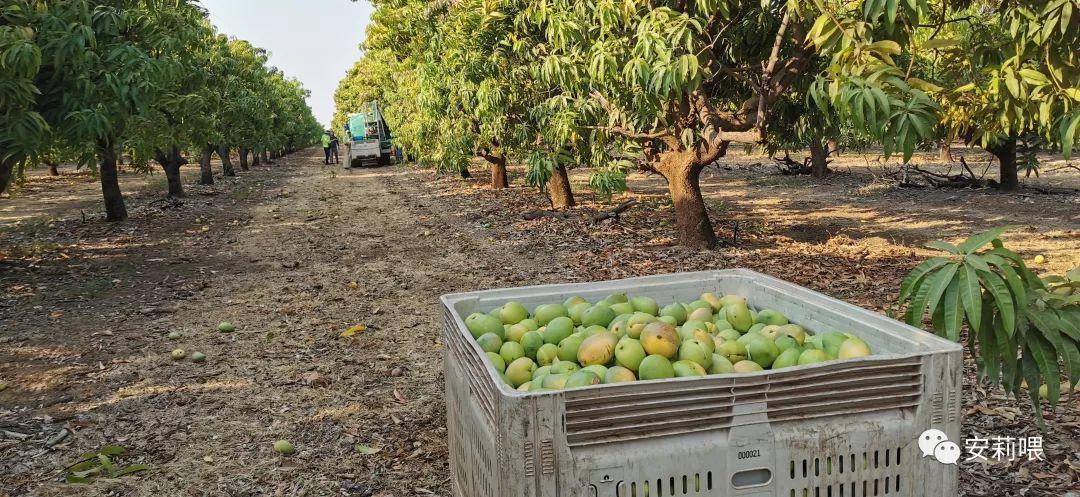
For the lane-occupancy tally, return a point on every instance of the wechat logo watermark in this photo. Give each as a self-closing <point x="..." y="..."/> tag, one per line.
<point x="936" y="444"/>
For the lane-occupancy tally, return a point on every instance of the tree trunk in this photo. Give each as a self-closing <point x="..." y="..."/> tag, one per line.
<point x="266" y="157"/>
<point x="498" y="172"/>
<point x="207" y="177"/>
<point x="819" y="158"/>
<point x="691" y="217"/>
<point x="1005" y="151"/>
<point x="171" y="163"/>
<point x="53" y="171"/>
<point x="945" y="151"/>
<point x="256" y="159"/>
<point x="834" y="147"/>
<point x="244" y="158"/>
<point x="559" y="189"/>
<point x="226" y="161"/>
<point x="7" y="168"/>
<point x="110" y="185"/>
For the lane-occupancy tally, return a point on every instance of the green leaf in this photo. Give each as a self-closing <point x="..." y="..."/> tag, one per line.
<point x="367" y="450"/>
<point x="990" y="351"/>
<point x="977" y="241"/>
<point x="106" y="463"/>
<point x="930" y="290"/>
<point x="1004" y="300"/>
<point x="976" y="262"/>
<point x="971" y="296"/>
<point x="938" y="284"/>
<point x="1007" y="348"/>
<point x="953" y="310"/>
<point x="940" y="43"/>
<point x="134" y="468"/>
<point x="1029" y="369"/>
<point x="916" y="275"/>
<point x="1046" y="360"/>
<point x="113" y="450"/>
<point x="890" y="11"/>
<point x="1048" y="324"/>
<point x="944" y="246"/>
<point x="917" y="306"/>
<point x="1016" y="285"/>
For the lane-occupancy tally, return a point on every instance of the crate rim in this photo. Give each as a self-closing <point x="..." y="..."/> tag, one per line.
<point x="450" y="299"/>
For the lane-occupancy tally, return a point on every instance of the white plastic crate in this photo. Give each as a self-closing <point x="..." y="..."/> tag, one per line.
<point x="835" y="429"/>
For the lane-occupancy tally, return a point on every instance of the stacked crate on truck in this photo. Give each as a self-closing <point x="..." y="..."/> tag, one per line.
<point x="369" y="140"/>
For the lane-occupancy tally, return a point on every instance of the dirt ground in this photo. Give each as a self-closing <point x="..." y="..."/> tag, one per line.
<point x="296" y="253"/>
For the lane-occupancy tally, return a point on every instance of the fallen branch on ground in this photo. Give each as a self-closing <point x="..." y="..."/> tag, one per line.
<point x="614" y="213"/>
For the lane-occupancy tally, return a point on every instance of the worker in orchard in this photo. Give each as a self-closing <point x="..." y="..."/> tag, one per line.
<point x="326" y="146"/>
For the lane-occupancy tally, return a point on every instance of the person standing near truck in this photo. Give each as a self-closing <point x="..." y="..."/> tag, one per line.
<point x="326" y="147"/>
<point x="334" y="148"/>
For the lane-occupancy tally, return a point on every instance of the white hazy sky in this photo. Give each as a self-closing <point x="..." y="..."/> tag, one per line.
<point x="315" y="41"/>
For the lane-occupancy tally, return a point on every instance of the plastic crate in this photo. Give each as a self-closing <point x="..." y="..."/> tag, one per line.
<point x="835" y="429"/>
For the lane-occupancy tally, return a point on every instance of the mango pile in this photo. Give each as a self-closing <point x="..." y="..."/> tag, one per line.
<point x="577" y="344"/>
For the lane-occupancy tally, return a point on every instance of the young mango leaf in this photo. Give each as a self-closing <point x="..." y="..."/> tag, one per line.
<point x="913" y="279"/>
<point x="944" y="246"/>
<point x="1002" y="298"/>
<point x="977" y="241"/>
<point x="1029" y="370"/>
<point x="1046" y="360"/>
<point x="953" y="310"/>
<point x="971" y="296"/>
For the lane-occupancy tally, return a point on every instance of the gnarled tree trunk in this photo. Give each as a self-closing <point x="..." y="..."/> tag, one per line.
<point x="499" y="178"/>
<point x="1005" y="151"/>
<point x="244" y="158"/>
<point x="945" y="151"/>
<point x="559" y="189"/>
<point x="256" y="159"/>
<point x="207" y="172"/>
<point x="7" y="170"/>
<point x="171" y="163"/>
<point x="682" y="172"/>
<point x="110" y="184"/>
<point x="226" y="161"/>
<point x="819" y="158"/>
<point x="53" y="171"/>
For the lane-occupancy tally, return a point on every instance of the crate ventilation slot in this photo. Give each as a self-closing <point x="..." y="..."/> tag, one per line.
<point x="864" y="474"/>
<point x="472" y="367"/>
<point x="474" y="473"/>
<point x="620" y="414"/>
<point x="671" y="486"/>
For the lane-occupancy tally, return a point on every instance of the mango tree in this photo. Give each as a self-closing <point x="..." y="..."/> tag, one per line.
<point x="681" y="80"/>
<point x="176" y="116"/>
<point x="1004" y="74"/>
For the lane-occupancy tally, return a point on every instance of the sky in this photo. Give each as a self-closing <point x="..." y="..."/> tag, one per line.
<point x="315" y="41"/>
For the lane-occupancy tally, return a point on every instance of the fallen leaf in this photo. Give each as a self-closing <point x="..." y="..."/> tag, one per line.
<point x="367" y="450"/>
<point x="353" y="330"/>
<point x="400" y="398"/>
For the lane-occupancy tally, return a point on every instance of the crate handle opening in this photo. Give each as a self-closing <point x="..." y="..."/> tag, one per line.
<point x="751" y="478"/>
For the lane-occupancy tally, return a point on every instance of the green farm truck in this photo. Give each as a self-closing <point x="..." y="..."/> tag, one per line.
<point x="368" y="138"/>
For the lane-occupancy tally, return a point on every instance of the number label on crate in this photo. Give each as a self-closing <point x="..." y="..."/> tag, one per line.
<point x="749" y="454"/>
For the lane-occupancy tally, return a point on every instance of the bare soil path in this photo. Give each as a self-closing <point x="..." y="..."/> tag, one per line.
<point x="296" y="253"/>
<point x="293" y="255"/>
